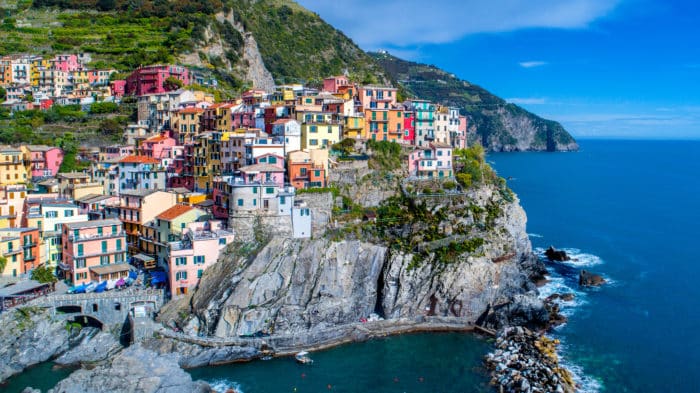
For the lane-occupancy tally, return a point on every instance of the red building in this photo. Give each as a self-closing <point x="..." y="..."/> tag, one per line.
<point x="151" y="79"/>
<point x="118" y="87"/>
<point x="409" y="127"/>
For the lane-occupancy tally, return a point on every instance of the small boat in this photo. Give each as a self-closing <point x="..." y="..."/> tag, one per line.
<point x="303" y="358"/>
<point x="90" y="287"/>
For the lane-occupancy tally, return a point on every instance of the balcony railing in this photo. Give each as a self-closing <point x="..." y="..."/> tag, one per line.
<point x="82" y="238"/>
<point x="100" y="253"/>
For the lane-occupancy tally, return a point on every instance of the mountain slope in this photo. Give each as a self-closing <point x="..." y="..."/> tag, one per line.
<point x="500" y="126"/>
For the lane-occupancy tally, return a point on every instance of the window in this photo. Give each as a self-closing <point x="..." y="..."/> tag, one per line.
<point x="119" y="244"/>
<point x="80" y="250"/>
<point x="118" y="258"/>
<point x="199" y="259"/>
<point x="104" y="260"/>
<point x="181" y="275"/>
<point x="302" y="171"/>
<point x="114" y="229"/>
<point x="269" y="190"/>
<point x="181" y="261"/>
<point x="222" y="241"/>
<point x="99" y="231"/>
<point x="104" y="246"/>
<point x="199" y="273"/>
<point x="240" y="202"/>
<point x="313" y="142"/>
<point x="79" y="263"/>
<point x="313" y="129"/>
<point x="51" y="214"/>
<point x="283" y="200"/>
<point x="272" y="160"/>
<point x="317" y="173"/>
<point x="255" y="202"/>
<point x="68" y="213"/>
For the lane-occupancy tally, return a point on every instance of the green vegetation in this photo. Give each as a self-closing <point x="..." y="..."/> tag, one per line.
<point x="3" y="263"/>
<point x="298" y="46"/>
<point x="385" y="155"/>
<point x="103" y="107"/>
<point x="43" y="274"/>
<point x="486" y="111"/>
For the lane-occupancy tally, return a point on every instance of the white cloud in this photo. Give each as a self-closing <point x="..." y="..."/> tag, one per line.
<point x="527" y="101"/>
<point x="401" y="23"/>
<point x="532" y="64"/>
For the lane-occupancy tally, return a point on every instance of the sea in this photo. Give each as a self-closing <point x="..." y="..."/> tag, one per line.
<point x="628" y="210"/>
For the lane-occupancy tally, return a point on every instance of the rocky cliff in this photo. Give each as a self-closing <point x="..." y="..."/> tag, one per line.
<point x="292" y="286"/>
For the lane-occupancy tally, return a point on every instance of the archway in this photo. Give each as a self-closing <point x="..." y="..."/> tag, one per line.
<point x="72" y="309"/>
<point x="86" y="320"/>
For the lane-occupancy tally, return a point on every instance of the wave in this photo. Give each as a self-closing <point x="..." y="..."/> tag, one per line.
<point x="537" y="235"/>
<point x="557" y="284"/>
<point x="584" y="383"/>
<point x="223" y="385"/>
<point x="578" y="258"/>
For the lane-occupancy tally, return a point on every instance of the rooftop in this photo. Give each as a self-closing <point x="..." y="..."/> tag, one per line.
<point x="74" y="175"/>
<point x="261" y="168"/>
<point x="139" y="160"/>
<point x="93" y="224"/>
<point x="21" y="287"/>
<point x="174" y="212"/>
<point x="109" y="269"/>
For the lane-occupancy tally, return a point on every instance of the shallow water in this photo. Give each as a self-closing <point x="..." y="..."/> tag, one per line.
<point x="436" y="362"/>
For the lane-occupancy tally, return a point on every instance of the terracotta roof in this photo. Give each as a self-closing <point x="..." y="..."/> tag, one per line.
<point x="283" y="121"/>
<point x="157" y="138"/>
<point x="139" y="160"/>
<point x="191" y="110"/>
<point x="174" y="212"/>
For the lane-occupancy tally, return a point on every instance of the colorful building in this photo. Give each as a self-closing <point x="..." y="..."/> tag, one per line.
<point x="137" y="208"/>
<point x="42" y="161"/>
<point x="12" y="170"/>
<point x="308" y="169"/>
<point x="28" y="239"/>
<point x="201" y="244"/>
<point x="151" y="79"/>
<point x="167" y="227"/>
<point x="319" y="135"/>
<point x="94" y="251"/>
<point x="433" y="161"/>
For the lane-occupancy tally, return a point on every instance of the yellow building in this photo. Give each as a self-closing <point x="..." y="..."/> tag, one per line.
<point x="319" y="135"/>
<point x="10" y="248"/>
<point x="187" y="123"/>
<point x="12" y="170"/>
<point x="207" y="160"/>
<point x="354" y="127"/>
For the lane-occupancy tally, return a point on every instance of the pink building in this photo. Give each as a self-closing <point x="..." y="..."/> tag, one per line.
<point x="264" y="174"/>
<point x="333" y="83"/>
<point x="94" y="251"/>
<point x="151" y="79"/>
<point x="66" y="63"/>
<point x="377" y="97"/>
<point x="199" y="248"/>
<point x="158" y="147"/>
<point x="44" y="160"/>
<point x="433" y="161"/>
<point x="118" y="87"/>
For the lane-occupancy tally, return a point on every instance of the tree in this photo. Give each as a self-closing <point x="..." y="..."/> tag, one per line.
<point x="3" y="94"/>
<point x="172" y="83"/>
<point x="106" y="5"/>
<point x="3" y="263"/>
<point x="43" y="274"/>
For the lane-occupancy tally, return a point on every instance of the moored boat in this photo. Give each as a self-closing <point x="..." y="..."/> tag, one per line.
<point x="303" y="358"/>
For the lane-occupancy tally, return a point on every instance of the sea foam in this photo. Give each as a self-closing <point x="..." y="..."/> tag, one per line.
<point x="222" y="385"/>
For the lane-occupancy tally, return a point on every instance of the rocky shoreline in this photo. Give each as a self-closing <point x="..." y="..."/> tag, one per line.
<point x="525" y="361"/>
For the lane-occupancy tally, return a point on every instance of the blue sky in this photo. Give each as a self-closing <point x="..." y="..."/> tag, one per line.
<point x="603" y="68"/>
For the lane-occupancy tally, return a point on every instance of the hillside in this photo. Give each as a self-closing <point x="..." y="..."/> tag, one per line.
<point x="499" y="125"/>
<point x="254" y="43"/>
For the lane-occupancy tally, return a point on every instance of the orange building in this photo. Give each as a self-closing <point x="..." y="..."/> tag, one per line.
<point x="384" y="124"/>
<point x="308" y="169"/>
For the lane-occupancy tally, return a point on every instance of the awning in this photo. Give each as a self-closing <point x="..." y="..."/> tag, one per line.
<point x="109" y="269"/>
<point x="158" y="277"/>
<point x="63" y="266"/>
<point x="143" y="258"/>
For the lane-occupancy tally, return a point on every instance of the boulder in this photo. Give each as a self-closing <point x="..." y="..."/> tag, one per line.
<point x="556" y="255"/>
<point x="588" y="279"/>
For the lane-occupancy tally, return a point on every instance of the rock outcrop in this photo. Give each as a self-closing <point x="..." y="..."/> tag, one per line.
<point x="588" y="279"/>
<point x="96" y="346"/>
<point x="136" y="370"/>
<point x="524" y="361"/>
<point x="556" y="255"/>
<point x="30" y="336"/>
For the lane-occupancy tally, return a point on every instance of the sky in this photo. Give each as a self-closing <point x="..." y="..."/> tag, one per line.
<point x="603" y="68"/>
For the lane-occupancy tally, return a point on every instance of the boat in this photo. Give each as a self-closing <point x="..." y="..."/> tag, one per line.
<point x="303" y="358"/>
<point x="90" y="287"/>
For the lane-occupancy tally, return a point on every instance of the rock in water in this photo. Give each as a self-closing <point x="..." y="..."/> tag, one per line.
<point x="556" y="255"/>
<point x="134" y="370"/>
<point x="588" y="279"/>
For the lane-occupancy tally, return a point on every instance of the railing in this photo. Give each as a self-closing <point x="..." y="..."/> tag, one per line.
<point x="96" y="236"/>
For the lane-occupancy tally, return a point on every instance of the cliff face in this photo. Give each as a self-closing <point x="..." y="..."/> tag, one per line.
<point x="295" y="286"/>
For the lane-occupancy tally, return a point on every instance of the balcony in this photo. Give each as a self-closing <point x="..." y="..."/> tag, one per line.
<point x="29" y="244"/>
<point x="101" y="253"/>
<point x="83" y="238"/>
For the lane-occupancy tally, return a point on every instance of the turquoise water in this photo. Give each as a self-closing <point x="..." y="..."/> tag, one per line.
<point x="629" y="210"/>
<point x="439" y="362"/>
<point x="43" y="376"/>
